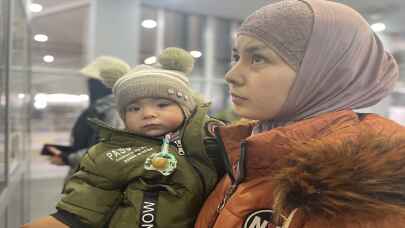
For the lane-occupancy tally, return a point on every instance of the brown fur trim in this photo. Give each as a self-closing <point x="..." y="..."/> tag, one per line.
<point x="358" y="177"/>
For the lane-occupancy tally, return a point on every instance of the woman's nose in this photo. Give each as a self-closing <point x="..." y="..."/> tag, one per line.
<point x="234" y="76"/>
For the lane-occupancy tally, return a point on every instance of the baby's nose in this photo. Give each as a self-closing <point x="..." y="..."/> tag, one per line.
<point x="149" y="112"/>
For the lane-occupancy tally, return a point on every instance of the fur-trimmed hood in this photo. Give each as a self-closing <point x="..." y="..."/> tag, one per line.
<point x="361" y="177"/>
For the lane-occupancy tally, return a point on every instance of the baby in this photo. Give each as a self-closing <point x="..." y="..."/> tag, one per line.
<point x="159" y="170"/>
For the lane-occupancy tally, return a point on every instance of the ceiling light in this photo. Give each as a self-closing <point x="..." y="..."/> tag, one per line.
<point x="41" y="38"/>
<point x="378" y="27"/>
<point x="34" y="7"/>
<point x="40" y="101"/>
<point x="48" y="58"/>
<point x="150" y="60"/>
<point x="21" y="95"/>
<point x="149" y="24"/>
<point x="40" y="104"/>
<point x="196" y="54"/>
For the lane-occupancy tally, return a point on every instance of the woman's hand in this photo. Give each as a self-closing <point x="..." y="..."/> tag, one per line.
<point x="46" y="222"/>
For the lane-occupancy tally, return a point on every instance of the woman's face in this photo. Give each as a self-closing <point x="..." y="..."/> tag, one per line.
<point x="259" y="80"/>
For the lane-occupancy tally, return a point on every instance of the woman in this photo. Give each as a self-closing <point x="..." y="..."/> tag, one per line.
<point x="300" y="68"/>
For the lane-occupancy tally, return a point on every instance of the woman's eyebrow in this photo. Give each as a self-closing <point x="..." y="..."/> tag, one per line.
<point x="252" y="49"/>
<point x="255" y="48"/>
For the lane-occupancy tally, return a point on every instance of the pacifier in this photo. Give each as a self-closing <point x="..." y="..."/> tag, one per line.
<point x="163" y="161"/>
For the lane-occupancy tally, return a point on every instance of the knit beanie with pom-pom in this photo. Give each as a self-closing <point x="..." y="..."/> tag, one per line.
<point x="167" y="79"/>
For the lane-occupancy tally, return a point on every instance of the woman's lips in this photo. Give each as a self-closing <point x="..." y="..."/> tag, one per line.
<point x="237" y="99"/>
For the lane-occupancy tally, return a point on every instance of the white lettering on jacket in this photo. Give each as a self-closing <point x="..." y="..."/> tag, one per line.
<point x="127" y="153"/>
<point x="147" y="215"/>
<point x="258" y="223"/>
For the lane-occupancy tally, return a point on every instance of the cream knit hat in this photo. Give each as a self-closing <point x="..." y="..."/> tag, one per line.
<point x="167" y="79"/>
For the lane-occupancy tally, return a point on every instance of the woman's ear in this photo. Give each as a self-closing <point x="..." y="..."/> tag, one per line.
<point x="107" y="69"/>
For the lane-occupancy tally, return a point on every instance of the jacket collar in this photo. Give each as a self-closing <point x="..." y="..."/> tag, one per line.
<point x="263" y="150"/>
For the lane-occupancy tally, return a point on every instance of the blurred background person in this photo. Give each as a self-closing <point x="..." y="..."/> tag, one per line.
<point x="83" y="135"/>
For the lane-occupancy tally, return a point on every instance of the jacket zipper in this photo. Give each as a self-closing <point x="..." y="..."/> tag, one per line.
<point x="182" y="152"/>
<point x="224" y="156"/>
<point x="240" y="176"/>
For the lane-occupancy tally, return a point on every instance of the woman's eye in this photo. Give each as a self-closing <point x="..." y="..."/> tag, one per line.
<point x="235" y="59"/>
<point x="257" y="59"/>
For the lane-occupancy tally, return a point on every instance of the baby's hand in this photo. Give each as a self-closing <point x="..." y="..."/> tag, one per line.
<point x="46" y="222"/>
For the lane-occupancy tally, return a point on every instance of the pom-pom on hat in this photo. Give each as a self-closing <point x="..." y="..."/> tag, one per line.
<point x="107" y="69"/>
<point x="167" y="79"/>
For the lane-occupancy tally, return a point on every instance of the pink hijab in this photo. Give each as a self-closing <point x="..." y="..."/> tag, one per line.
<point x="345" y="66"/>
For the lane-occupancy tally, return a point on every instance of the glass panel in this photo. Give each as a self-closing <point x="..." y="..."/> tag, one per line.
<point x="222" y="59"/>
<point x="3" y="219"/>
<point x="148" y="35"/>
<point x="14" y="209"/>
<point x="175" y="26"/>
<point x="3" y="62"/>
<point x="19" y="84"/>
<point x="67" y="36"/>
<point x="195" y="40"/>
<point x="223" y="47"/>
<point x="186" y="31"/>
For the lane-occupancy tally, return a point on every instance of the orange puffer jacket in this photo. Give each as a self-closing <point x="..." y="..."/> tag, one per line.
<point x="337" y="170"/>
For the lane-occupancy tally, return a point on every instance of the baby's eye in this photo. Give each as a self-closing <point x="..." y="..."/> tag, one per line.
<point x="164" y="104"/>
<point x="132" y="109"/>
<point x="257" y="59"/>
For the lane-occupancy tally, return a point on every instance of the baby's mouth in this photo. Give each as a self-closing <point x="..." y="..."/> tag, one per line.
<point x="153" y="125"/>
